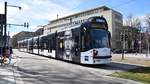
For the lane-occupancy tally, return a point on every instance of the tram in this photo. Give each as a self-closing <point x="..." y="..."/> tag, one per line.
<point x="86" y="43"/>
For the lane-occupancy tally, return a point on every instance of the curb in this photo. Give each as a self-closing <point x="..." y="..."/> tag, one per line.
<point x="124" y="81"/>
<point x="130" y="64"/>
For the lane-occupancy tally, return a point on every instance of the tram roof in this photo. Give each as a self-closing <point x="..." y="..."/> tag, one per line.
<point x="69" y="27"/>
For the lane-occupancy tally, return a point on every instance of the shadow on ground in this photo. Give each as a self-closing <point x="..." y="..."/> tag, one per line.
<point x="114" y="66"/>
<point x="6" y="74"/>
<point x="54" y="77"/>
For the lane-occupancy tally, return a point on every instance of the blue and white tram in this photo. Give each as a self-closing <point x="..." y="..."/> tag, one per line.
<point x="86" y="43"/>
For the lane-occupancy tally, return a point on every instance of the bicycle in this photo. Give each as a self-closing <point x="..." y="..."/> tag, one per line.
<point x="5" y="61"/>
<point x="5" y="58"/>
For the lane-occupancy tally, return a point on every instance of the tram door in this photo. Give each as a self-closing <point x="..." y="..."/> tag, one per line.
<point x="76" y="46"/>
<point x="60" y="45"/>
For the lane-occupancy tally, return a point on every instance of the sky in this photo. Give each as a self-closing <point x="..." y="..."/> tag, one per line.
<point x="40" y="12"/>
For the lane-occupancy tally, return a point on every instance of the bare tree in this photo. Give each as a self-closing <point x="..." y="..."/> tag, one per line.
<point x="133" y="22"/>
<point x="134" y="27"/>
<point x="128" y="21"/>
<point x="147" y="20"/>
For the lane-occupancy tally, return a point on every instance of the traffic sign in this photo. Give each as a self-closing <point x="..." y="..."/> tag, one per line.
<point x="2" y="19"/>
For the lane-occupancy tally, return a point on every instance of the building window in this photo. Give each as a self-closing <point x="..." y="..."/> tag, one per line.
<point x="117" y="16"/>
<point x="96" y="11"/>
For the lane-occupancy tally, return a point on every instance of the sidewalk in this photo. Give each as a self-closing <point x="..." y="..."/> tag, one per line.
<point x="7" y="73"/>
<point x="136" y="55"/>
<point x="135" y="59"/>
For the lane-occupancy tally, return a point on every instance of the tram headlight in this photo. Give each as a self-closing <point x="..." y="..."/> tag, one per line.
<point x="95" y="52"/>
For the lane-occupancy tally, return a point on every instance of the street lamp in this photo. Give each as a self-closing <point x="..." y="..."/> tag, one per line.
<point x="5" y="27"/>
<point x="15" y="6"/>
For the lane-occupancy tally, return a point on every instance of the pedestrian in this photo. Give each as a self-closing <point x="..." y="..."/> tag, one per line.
<point x="10" y="54"/>
<point x="5" y="54"/>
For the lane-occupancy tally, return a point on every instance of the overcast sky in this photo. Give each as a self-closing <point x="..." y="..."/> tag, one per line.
<point x="39" y="12"/>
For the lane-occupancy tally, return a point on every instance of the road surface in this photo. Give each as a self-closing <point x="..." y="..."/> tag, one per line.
<point x="34" y="69"/>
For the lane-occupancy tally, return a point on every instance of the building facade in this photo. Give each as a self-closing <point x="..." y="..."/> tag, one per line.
<point x="113" y="18"/>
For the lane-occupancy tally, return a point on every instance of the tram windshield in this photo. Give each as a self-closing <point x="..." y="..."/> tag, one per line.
<point x="99" y="38"/>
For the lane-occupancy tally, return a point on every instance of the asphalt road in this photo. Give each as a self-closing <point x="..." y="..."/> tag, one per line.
<point x="34" y="69"/>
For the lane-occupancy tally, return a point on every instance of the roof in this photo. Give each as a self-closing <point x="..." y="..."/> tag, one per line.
<point x="102" y="7"/>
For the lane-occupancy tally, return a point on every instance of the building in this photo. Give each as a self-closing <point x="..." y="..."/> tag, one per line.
<point x="25" y="35"/>
<point x="113" y="18"/>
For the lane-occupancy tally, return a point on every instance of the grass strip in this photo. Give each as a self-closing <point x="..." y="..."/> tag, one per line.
<point x="141" y="74"/>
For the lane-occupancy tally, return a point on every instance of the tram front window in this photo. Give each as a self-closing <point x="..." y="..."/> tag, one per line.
<point x="100" y="38"/>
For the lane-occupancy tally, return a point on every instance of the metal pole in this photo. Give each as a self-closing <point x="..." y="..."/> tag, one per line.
<point x="8" y="40"/>
<point x="38" y="41"/>
<point x="5" y="27"/>
<point x="147" y="44"/>
<point x="148" y="39"/>
<point x="148" y="47"/>
<point x="140" y="49"/>
<point x="123" y="44"/>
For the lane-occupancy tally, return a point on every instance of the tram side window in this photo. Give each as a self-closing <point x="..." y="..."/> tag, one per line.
<point x="34" y="45"/>
<point x="53" y="43"/>
<point x="82" y="39"/>
<point x="76" y="45"/>
<point x="37" y="43"/>
<point x="42" y="46"/>
<point x="85" y="39"/>
<point x="77" y="40"/>
<point x="50" y="45"/>
<point x="45" y="45"/>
